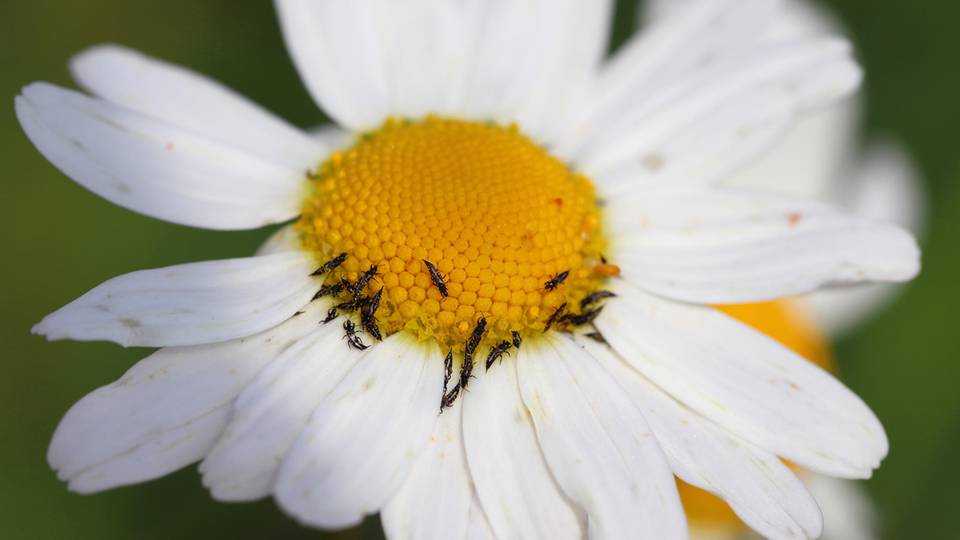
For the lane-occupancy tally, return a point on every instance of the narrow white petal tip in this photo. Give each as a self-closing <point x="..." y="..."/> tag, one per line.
<point x="57" y="327"/>
<point x="40" y="329"/>
<point x="225" y="494"/>
<point x="31" y="88"/>
<point x="53" y="328"/>
<point x="911" y="260"/>
<point x="62" y="324"/>
<point x="84" y="58"/>
<point x="84" y="488"/>
<point x="298" y="507"/>
<point x="40" y="93"/>
<point x="102" y="50"/>
<point x="20" y="105"/>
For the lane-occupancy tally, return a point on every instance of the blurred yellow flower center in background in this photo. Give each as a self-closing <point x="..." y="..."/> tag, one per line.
<point x="789" y="323"/>
<point x="496" y="215"/>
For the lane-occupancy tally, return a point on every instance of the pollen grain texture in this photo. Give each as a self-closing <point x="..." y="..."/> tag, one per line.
<point x="495" y="213"/>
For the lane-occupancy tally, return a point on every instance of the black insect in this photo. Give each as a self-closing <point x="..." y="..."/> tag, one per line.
<point x="368" y="315"/>
<point x="596" y="336"/>
<point x="436" y="277"/>
<point x="331" y="315"/>
<point x="353" y="340"/>
<point x="477" y="335"/>
<point x="586" y="317"/>
<point x="332" y="264"/>
<point x="297" y="314"/>
<point x="447" y="370"/>
<point x="556" y="317"/>
<point x="450" y="397"/>
<point x="334" y="289"/>
<point x="497" y="352"/>
<point x="595" y="297"/>
<point x="471" y="347"/>
<point x="556" y="280"/>
<point x="516" y="338"/>
<point x="354" y="304"/>
<point x="466" y="370"/>
<point x="362" y="283"/>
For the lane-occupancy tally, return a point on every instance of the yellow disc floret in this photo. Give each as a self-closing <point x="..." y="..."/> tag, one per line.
<point x="496" y="215"/>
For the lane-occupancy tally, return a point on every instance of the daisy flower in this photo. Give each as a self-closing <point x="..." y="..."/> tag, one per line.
<point x="491" y="313"/>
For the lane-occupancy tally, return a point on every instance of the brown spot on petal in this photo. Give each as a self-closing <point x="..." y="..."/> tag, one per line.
<point x="654" y="162"/>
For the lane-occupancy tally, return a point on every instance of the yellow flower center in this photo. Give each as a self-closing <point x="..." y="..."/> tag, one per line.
<point x="511" y="233"/>
<point x="787" y="322"/>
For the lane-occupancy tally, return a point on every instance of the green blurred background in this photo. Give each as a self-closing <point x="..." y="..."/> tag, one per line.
<point x="61" y="240"/>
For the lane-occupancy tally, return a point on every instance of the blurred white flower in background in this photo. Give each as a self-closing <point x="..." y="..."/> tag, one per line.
<point x="823" y="157"/>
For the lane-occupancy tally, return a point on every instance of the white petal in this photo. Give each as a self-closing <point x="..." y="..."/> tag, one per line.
<point x="885" y="186"/>
<point x="335" y="49"/>
<point x="757" y="486"/>
<point x="598" y="445"/>
<point x="421" y="48"/>
<point x="518" y="495"/>
<point x="363" y="438"/>
<point x="746" y="382"/>
<point x="188" y="304"/>
<point x="722" y="246"/>
<point x="478" y="527"/>
<point x="689" y="42"/>
<point x="794" y="17"/>
<point x="510" y="61"/>
<point x="271" y="413"/>
<point x="155" y="167"/>
<point x="176" y="95"/>
<point x="149" y="456"/>
<point x="701" y="94"/>
<point x="531" y="60"/>
<point x="707" y="149"/>
<point x="745" y="105"/>
<point x="806" y="162"/>
<point x="165" y="412"/>
<point x="435" y="501"/>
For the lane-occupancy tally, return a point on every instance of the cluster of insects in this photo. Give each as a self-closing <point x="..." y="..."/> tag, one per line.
<point x="466" y="368"/>
<point x="563" y="318"/>
<point x="351" y="299"/>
